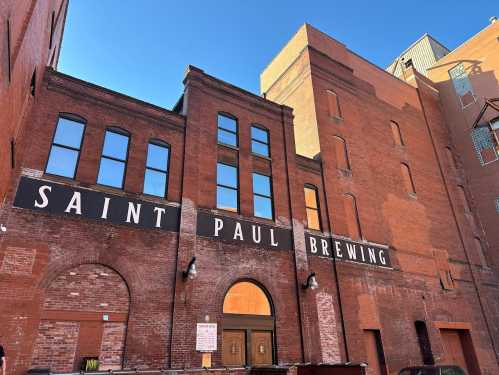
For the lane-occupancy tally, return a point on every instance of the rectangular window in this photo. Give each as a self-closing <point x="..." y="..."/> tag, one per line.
<point x="260" y="141"/>
<point x="312" y="207"/>
<point x="227" y="187"/>
<point x="462" y="85"/>
<point x="227" y="130"/>
<point x="114" y="158"/>
<point x="156" y="175"/>
<point x="262" y="196"/>
<point x="65" y="150"/>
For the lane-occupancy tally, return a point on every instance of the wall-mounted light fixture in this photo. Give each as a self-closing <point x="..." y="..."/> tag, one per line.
<point x="3" y="228"/>
<point x="311" y="282"/>
<point x="190" y="272"/>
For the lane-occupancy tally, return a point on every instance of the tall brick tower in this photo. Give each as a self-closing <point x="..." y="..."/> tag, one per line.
<point x="387" y="178"/>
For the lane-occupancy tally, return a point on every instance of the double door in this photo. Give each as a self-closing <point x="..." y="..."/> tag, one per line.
<point x="247" y="347"/>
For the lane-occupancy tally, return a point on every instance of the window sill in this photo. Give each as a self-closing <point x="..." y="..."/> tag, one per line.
<point x="236" y="148"/>
<point x="336" y="119"/>
<point x="412" y="195"/>
<point x="262" y="156"/>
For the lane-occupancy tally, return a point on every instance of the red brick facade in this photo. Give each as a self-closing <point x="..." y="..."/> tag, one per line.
<point x="72" y="286"/>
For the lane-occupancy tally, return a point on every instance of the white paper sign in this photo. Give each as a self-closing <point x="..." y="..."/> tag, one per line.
<point x="206" y="337"/>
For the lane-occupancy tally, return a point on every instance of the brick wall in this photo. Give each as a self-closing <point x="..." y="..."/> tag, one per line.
<point x="113" y="342"/>
<point x="55" y="346"/>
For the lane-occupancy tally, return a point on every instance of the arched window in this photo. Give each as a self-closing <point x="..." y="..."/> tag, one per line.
<point x="397" y="135"/>
<point x="352" y="217"/>
<point x="157" y="163"/>
<point x="312" y="207"/>
<point x="407" y="177"/>
<point x="333" y="104"/>
<point x="114" y="158"/>
<point x="248" y="326"/>
<point x="340" y="147"/>
<point x="66" y="145"/>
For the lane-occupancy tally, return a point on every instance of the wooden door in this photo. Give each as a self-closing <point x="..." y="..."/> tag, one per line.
<point x="234" y="348"/>
<point x="453" y="348"/>
<point x="89" y="341"/>
<point x="261" y="348"/>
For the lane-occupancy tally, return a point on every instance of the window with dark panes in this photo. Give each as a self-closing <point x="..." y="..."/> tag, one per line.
<point x="114" y="158"/>
<point x="227" y="130"/>
<point x="156" y="175"/>
<point x="65" y="150"/>
<point x="312" y="207"/>
<point x="227" y="187"/>
<point x="260" y="141"/>
<point x="262" y="196"/>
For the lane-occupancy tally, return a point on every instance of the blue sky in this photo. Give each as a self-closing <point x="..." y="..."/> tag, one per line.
<point x="141" y="48"/>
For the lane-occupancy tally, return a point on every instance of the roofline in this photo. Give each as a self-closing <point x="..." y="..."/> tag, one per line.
<point x="112" y="92"/>
<point x="461" y="45"/>
<point x="413" y="44"/>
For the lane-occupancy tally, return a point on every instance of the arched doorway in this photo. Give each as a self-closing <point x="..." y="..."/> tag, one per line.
<point x="248" y="326"/>
<point x="83" y="322"/>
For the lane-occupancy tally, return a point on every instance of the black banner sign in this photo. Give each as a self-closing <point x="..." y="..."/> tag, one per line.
<point x="342" y="249"/>
<point x="241" y="231"/>
<point x="65" y="200"/>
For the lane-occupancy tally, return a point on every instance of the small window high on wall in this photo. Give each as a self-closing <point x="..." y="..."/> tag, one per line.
<point x="397" y="134"/>
<point x="156" y="174"/>
<point x="114" y="158"/>
<point x="341" y="153"/>
<point x="312" y="207"/>
<point x="66" y="146"/>
<point x="352" y="217"/>
<point x="333" y="104"/>
<point x="408" y="180"/>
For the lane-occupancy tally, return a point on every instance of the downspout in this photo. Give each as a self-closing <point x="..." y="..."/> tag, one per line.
<point x="297" y="282"/>
<point x="335" y="268"/>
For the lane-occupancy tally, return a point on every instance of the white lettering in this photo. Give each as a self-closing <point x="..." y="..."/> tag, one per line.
<point x="372" y="256"/>
<point x="338" y="250"/>
<point x="382" y="257"/>
<point x="74" y="203"/>
<point x="238" y="232"/>
<point x="45" y="201"/>
<point x="159" y="214"/>
<point x="219" y="224"/>
<point x="324" y="247"/>
<point x="255" y="239"/>
<point x="105" y="208"/>
<point x="313" y="245"/>
<point x="351" y="251"/>
<point x="133" y="213"/>
<point x="273" y="242"/>
<point x="362" y="253"/>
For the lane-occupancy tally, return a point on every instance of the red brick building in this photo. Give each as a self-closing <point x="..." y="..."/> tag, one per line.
<point x="323" y="229"/>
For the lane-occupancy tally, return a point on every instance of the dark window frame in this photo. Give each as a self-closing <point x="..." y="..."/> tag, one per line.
<point x="271" y="197"/>
<point x="51" y="39"/>
<point x="120" y="131"/>
<point x="159" y="143"/>
<point x="318" y="209"/>
<point x="228" y="187"/>
<point x="71" y="117"/>
<point x="263" y="128"/>
<point x="236" y="133"/>
<point x="9" y="46"/>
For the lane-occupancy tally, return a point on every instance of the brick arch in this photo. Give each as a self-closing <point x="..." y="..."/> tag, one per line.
<point x="84" y="314"/>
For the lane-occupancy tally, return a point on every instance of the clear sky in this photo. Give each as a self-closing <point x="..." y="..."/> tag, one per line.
<point x="142" y="47"/>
